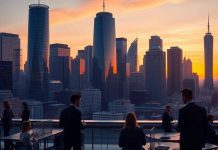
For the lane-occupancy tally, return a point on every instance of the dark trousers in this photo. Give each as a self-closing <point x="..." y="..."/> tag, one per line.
<point x="68" y="146"/>
<point x="8" y="144"/>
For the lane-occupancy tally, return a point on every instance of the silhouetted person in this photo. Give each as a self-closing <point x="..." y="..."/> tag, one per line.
<point x="192" y="123"/>
<point x="132" y="136"/>
<point x="7" y="123"/>
<point x="212" y="137"/>
<point x="25" y="116"/>
<point x="166" y="119"/>
<point x="70" y="121"/>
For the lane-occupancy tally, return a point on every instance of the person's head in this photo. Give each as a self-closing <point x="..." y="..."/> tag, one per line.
<point x="26" y="126"/>
<point x="168" y="108"/>
<point x="210" y="118"/>
<point x="75" y="99"/>
<point x="6" y="105"/>
<point x="186" y="95"/>
<point x="25" y="106"/>
<point x="131" y="120"/>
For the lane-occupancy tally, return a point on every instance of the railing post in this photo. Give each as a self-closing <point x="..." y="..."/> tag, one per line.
<point x="92" y="139"/>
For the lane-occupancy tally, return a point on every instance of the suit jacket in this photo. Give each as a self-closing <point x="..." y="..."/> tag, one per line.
<point x="7" y="118"/>
<point x="192" y="125"/>
<point x="132" y="139"/>
<point x="166" y="122"/>
<point x="70" y="121"/>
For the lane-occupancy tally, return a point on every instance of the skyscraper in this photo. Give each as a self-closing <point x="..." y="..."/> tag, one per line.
<point x="38" y="49"/>
<point x="156" y="73"/>
<point x="208" y="58"/>
<point x="10" y="51"/>
<point x="104" y="48"/>
<point x="174" y="70"/>
<point x="88" y="65"/>
<point x="121" y="50"/>
<point x="60" y="63"/>
<point x="155" y="42"/>
<point x="6" y="75"/>
<point x="132" y="56"/>
<point x="77" y="73"/>
<point x="187" y="68"/>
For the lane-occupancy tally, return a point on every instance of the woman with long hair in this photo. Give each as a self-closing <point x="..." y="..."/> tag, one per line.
<point x="7" y="122"/>
<point x="132" y="136"/>
<point x="25" y="116"/>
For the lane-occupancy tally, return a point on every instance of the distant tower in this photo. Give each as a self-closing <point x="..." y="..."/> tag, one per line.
<point x="155" y="41"/>
<point x="156" y="72"/>
<point x="121" y="50"/>
<point x="208" y="58"/>
<point x="10" y="51"/>
<point x="174" y="71"/>
<point x="60" y="63"/>
<point x="187" y="68"/>
<point x="132" y="56"/>
<point x="38" y="49"/>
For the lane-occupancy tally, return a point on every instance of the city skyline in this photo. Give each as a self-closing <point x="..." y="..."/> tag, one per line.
<point x="178" y="30"/>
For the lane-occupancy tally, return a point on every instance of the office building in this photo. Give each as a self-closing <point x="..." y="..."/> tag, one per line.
<point x="121" y="52"/>
<point x="156" y="73"/>
<point x="208" y="59"/>
<point x="38" y="49"/>
<point x="90" y="102"/>
<point x="88" y="66"/>
<point x="187" y="68"/>
<point x="132" y="56"/>
<point x="155" y="42"/>
<point x="137" y="81"/>
<point x="10" y="51"/>
<point x="6" y="76"/>
<point x="190" y="84"/>
<point x="107" y="116"/>
<point x="60" y="63"/>
<point x="104" y="47"/>
<point x="121" y="106"/>
<point x="174" y="70"/>
<point x="77" y="74"/>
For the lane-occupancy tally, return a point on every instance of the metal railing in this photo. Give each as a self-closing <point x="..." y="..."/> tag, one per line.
<point x="100" y="134"/>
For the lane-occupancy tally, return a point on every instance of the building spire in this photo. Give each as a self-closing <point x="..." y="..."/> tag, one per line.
<point x="103" y="5"/>
<point x="208" y="26"/>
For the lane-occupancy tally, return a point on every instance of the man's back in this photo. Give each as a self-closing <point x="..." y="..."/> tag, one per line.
<point x="192" y="125"/>
<point x="70" y="120"/>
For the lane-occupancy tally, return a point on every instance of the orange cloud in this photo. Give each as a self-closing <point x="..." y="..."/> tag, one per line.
<point x="64" y="15"/>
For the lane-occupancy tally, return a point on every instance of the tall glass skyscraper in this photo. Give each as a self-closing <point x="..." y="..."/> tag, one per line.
<point x="208" y="58"/>
<point x="104" y="48"/>
<point x="132" y="57"/>
<point x="38" y="49"/>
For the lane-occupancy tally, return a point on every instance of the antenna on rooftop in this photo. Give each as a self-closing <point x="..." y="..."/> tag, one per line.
<point x="103" y="5"/>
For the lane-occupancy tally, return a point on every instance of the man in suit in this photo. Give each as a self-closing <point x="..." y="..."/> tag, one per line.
<point x="192" y="123"/>
<point x="167" y="119"/>
<point x="70" y="121"/>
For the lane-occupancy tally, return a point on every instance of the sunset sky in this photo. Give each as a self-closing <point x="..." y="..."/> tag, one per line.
<point x="180" y="23"/>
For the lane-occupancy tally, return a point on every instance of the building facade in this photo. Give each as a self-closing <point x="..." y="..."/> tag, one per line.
<point x="38" y="49"/>
<point x="60" y="63"/>
<point x="174" y="70"/>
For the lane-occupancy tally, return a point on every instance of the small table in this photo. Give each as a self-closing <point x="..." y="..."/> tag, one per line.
<point x="174" y="137"/>
<point x="44" y="136"/>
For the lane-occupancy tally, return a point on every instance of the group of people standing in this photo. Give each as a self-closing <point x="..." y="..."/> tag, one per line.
<point x="194" y="125"/>
<point x="7" y="122"/>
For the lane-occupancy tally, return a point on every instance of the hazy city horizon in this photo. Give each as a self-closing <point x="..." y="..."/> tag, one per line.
<point x="71" y="16"/>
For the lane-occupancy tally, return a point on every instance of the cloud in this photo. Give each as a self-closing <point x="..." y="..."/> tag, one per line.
<point x="89" y="8"/>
